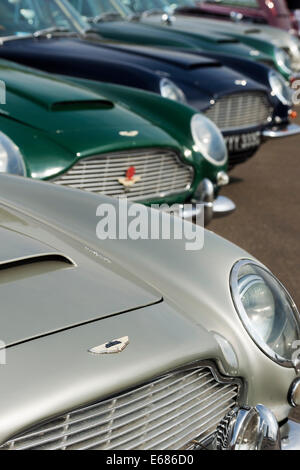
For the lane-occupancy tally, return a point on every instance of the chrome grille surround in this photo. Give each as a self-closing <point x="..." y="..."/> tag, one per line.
<point x="179" y="410"/>
<point x="240" y="111"/>
<point x="161" y="170"/>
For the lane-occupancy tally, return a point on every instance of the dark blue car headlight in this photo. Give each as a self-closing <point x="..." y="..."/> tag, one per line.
<point x="170" y="90"/>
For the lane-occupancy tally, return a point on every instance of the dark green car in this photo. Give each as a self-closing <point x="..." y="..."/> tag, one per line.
<point x="150" y="25"/>
<point x="109" y="139"/>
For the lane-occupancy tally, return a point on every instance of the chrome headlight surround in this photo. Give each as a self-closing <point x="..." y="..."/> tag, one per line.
<point x="279" y="88"/>
<point x="285" y="318"/>
<point x="170" y="90"/>
<point x="11" y="160"/>
<point x="283" y="60"/>
<point x="208" y="140"/>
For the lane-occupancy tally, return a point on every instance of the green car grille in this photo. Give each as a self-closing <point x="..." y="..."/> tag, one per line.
<point x="179" y="410"/>
<point x="156" y="173"/>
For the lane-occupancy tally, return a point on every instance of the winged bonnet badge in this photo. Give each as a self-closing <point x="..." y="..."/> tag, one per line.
<point x="113" y="346"/>
<point x="131" y="178"/>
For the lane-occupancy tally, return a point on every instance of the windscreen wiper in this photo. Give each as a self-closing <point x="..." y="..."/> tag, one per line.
<point x="107" y="16"/>
<point x="153" y="11"/>
<point x="54" y="30"/>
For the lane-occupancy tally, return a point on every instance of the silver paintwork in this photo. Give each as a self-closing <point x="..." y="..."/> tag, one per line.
<point x="170" y="302"/>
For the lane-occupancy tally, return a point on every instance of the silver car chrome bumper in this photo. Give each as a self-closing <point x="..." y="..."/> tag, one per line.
<point x="213" y="206"/>
<point x="280" y="132"/>
<point x="290" y="436"/>
<point x="204" y="201"/>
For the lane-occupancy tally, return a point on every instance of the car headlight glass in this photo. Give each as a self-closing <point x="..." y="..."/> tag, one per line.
<point x="11" y="160"/>
<point x="267" y="311"/>
<point x="283" y="60"/>
<point x="170" y="90"/>
<point x="208" y="140"/>
<point x="279" y="88"/>
<point x="294" y="47"/>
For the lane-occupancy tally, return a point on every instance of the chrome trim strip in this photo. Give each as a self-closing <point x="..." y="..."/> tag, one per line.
<point x="279" y="133"/>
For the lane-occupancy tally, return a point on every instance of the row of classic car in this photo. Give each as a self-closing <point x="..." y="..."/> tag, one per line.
<point x="280" y="13"/>
<point x="124" y="344"/>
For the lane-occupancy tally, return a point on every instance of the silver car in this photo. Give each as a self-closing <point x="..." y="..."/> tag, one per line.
<point x="136" y="344"/>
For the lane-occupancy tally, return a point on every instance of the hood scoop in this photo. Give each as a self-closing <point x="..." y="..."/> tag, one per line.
<point x="82" y="105"/>
<point x="185" y="60"/>
<point x="228" y="41"/>
<point x="252" y="31"/>
<point x="44" y="261"/>
<point x="43" y="291"/>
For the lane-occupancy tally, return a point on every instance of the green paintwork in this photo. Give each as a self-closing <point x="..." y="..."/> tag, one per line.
<point x="189" y="37"/>
<point x="52" y="138"/>
<point x="189" y="32"/>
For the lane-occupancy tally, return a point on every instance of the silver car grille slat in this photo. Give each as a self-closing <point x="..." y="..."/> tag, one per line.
<point x="136" y="429"/>
<point x="168" y="412"/>
<point x="114" y="409"/>
<point x="240" y="111"/>
<point x="161" y="173"/>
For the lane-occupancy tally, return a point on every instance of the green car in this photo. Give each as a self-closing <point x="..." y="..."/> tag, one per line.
<point x="112" y="140"/>
<point x="149" y="26"/>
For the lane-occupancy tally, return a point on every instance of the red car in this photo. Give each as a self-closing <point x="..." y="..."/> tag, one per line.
<point x="272" y="12"/>
<point x="294" y="7"/>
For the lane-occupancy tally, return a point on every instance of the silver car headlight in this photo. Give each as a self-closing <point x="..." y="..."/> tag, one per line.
<point x="170" y="90"/>
<point x="11" y="160"/>
<point x="283" y="60"/>
<point x="208" y="140"/>
<point x="279" y="88"/>
<point x="267" y="311"/>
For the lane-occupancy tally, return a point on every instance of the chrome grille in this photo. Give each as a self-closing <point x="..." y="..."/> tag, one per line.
<point x="168" y="413"/>
<point x="161" y="173"/>
<point x="240" y="110"/>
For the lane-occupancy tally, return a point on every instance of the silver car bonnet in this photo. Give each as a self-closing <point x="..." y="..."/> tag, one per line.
<point x="43" y="290"/>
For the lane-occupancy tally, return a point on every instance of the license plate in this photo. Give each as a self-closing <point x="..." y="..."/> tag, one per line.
<point x="243" y="142"/>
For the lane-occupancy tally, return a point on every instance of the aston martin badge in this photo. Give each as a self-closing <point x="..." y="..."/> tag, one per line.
<point x="111" y="347"/>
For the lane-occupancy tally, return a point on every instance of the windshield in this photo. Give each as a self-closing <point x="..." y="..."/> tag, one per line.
<point x="23" y="17"/>
<point x="101" y="8"/>
<point x="139" y="6"/>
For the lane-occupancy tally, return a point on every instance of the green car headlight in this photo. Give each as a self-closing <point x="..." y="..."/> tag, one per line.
<point x="169" y="90"/>
<point x="267" y="311"/>
<point x="11" y="160"/>
<point x="279" y="88"/>
<point x="283" y="60"/>
<point x="208" y="140"/>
